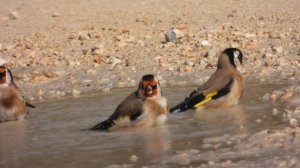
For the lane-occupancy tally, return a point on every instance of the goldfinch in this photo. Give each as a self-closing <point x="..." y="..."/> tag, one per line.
<point x="144" y="108"/>
<point x="224" y="88"/>
<point x="12" y="104"/>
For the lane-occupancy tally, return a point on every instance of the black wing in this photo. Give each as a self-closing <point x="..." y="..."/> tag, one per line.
<point x="130" y="107"/>
<point x="189" y="102"/>
<point x="197" y="98"/>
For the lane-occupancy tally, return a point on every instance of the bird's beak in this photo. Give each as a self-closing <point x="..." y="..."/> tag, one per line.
<point x="149" y="90"/>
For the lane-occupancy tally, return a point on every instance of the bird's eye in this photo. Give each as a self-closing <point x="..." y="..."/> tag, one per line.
<point x="2" y="74"/>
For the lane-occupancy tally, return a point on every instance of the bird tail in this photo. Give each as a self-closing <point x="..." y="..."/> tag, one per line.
<point x="104" y="125"/>
<point x="191" y="101"/>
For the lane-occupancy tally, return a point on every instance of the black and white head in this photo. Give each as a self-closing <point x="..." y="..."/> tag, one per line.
<point x="6" y="77"/>
<point x="149" y="86"/>
<point x="235" y="57"/>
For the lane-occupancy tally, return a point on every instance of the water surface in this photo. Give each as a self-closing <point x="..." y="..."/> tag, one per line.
<point x="55" y="135"/>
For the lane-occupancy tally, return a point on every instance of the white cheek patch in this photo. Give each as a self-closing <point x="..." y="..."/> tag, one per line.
<point x="236" y="54"/>
<point x="8" y="77"/>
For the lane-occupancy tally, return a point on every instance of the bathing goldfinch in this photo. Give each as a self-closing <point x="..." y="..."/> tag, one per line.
<point x="144" y="108"/>
<point x="12" y="103"/>
<point x="224" y="88"/>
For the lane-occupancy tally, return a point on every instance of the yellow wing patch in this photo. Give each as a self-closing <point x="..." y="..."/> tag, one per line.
<point x="207" y="99"/>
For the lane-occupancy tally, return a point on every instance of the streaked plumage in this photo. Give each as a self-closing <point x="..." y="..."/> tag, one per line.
<point x="224" y="88"/>
<point x="12" y="103"/>
<point x="143" y="108"/>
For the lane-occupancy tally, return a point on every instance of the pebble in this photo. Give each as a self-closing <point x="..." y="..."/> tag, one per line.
<point x="170" y="36"/>
<point x="76" y="93"/>
<point x="133" y="158"/>
<point x="82" y="35"/>
<point x="56" y="14"/>
<point x="14" y="15"/>
<point x="258" y="121"/>
<point x="275" y="112"/>
<point x="293" y="123"/>
<point x="205" y="43"/>
<point x="277" y="49"/>
<point x="114" y="60"/>
<point x="250" y="35"/>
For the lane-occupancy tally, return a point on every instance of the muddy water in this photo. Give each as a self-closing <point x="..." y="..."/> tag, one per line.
<point x="55" y="135"/>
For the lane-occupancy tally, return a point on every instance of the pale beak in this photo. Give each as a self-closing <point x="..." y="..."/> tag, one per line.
<point x="149" y="90"/>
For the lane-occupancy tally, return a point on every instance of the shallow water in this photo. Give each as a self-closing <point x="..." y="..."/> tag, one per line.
<point x="55" y="135"/>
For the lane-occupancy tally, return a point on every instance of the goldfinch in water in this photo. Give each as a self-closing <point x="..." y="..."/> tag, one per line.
<point x="143" y="108"/>
<point x="224" y="88"/>
<point x="12" y="104"/>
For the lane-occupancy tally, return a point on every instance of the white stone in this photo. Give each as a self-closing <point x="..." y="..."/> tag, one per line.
<point x="277" y="49"/>
<point x="76" y="93"/>
<point x="293" y="123"/>
<point x="205" y="43"/>
<point x="133" y="158"/>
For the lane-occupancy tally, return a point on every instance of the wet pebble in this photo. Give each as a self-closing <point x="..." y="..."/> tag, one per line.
<point x="133" y="158"/>
<point x="293" y="123"/>
<point x="276" y="95"/>
<point x="76" y="93"/>
<point x="258" y="121"/>
<point x="275" y="112"/>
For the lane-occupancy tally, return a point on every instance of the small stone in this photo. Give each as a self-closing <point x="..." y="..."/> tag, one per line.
<point x="277" y="49"/>
<point x="205" y="43"/>
<point x="258" y="120"/>
<point x="293" y="123"/>
<point x="14" y="15"/>
<point x="10" y="47"/>
<point x="56" y="14"/>
<point x="76" y="93"/>
<point x="275" y="112"/>
<point x="114" y="60"/>
<point x="98" y="59"/>
<point x="250" y="35"/>
<point x="170" y="36"/>
<point x="82" y="35"/>
<point x="121" y="44"/>
<point x="133" y="158"/>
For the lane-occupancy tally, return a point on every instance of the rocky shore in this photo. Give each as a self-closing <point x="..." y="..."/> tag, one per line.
<point x="59" y="57"/>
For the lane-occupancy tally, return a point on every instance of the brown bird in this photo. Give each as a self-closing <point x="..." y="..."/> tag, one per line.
<point x="224" y="88"/>
<point x="12" y="103"/>
<point x="143" y="108"/>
